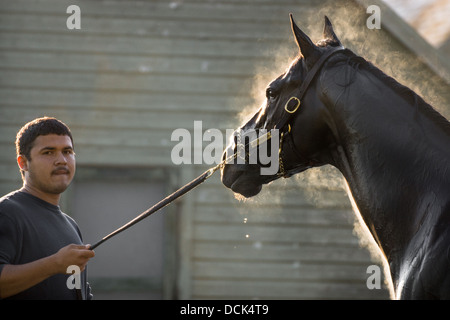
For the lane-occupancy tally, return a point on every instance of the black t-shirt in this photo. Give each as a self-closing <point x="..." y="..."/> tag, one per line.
<point x="31" y="229"/>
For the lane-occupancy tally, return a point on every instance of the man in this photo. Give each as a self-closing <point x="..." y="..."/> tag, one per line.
<point x="38" y="242"/>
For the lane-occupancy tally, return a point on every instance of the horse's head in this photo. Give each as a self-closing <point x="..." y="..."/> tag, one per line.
<point x="294" y="107"/>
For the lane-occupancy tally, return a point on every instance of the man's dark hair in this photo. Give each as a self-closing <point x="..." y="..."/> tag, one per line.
<point x="38" y="127"/>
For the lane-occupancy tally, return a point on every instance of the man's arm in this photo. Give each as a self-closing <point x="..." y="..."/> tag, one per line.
<point x="17" y="278"/>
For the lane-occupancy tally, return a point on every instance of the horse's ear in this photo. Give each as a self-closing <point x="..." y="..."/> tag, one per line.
<point x="328" y="32"/>
<point x="305" y="45"/>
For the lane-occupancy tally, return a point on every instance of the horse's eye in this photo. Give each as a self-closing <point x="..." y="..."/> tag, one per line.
<point x="270" y="93"/>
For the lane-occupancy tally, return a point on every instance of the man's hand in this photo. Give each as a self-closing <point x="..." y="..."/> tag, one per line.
<point x="17" y="278"/>
<point x="72" y="254"/>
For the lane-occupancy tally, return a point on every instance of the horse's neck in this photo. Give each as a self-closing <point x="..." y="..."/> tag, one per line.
<point x="395" y="160"/>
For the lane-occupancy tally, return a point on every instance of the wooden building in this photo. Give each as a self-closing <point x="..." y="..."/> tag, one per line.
<point x="136" y="71"/>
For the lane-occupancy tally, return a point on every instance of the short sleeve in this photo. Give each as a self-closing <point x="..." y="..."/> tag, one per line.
<point x="9" y="240"/>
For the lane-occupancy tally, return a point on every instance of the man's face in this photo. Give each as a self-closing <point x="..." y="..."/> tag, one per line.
<point x="52" y="164"/>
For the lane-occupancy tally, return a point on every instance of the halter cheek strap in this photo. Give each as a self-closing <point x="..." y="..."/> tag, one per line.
<point x="294" y="102"/>
<point x="290" y="108"/>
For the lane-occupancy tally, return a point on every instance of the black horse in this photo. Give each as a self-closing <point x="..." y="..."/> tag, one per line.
<point x="333" y="107"/>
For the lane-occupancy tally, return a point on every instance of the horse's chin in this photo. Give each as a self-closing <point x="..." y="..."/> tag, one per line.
<point x="243" y="182"/>
<point x="246" y="190"/>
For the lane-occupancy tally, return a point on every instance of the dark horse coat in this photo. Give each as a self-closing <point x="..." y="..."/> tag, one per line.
<point x="391" y="146"/>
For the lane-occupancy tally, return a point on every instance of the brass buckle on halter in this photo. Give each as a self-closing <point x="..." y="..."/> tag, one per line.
<point x="297" y="104"/>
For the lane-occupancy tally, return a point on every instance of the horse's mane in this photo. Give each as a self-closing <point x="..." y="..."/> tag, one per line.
<point x="406" y="93"/>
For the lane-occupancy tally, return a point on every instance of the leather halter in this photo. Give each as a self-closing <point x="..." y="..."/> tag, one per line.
<point x="290" y="108"/>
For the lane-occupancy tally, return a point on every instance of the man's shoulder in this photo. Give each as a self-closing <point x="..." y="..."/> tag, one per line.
<point x="14" y="203"/>
<point x="10" y="200"/>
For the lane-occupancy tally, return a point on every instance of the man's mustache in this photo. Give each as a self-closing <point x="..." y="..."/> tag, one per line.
<point x="61" y="170"/>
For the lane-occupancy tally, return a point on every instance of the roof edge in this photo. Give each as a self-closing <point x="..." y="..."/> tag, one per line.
<point x="411" y="39"/>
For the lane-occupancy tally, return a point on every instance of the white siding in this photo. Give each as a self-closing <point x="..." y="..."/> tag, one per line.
<point x="136" y="71"/>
